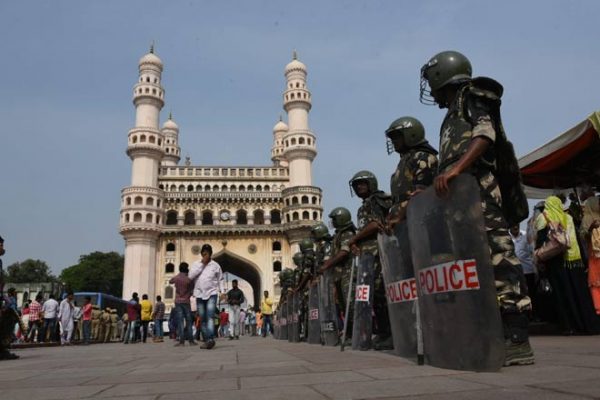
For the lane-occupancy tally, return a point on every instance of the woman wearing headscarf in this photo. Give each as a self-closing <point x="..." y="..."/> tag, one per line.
<point x="566" y="273"/>
<point x="590" y="230"/>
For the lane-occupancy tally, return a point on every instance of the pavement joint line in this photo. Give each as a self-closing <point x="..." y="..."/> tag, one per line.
<point x="312" y="387"/>
<point x="554" y="390"/>
<point x="110" y="386"/>
<point x="239" y="383"/>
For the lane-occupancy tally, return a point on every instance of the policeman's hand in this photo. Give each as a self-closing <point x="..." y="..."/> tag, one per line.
<point x="442" y="181"/>
<point x="594" y="225"/>
<point x="355" y="249"/>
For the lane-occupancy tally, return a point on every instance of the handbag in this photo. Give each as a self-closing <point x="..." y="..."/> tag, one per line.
<point x="556" y="244"/>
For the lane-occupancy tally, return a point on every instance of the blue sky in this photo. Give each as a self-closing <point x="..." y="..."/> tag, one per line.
<point x="68" y="67"/>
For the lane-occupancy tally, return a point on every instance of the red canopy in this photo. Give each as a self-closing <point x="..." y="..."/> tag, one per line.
<point x="570" y="160"/>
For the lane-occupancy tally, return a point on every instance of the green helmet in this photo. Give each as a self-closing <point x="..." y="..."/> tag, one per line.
<point x="306" y="244"/>
<point x="410" y="128"/>
<point x="447" y="67"/>
<point x="286" y="278"/>
<point x="364" y="176"/>
<point x="319" y="231"/>
<point x="298" y="259"/>
<point x="340" y="217"/>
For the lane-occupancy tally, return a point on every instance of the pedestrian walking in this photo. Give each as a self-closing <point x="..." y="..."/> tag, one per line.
<point x="35" y="322"/>
<point x="133" y="315"/>
<point x="235" y="298"/>
<point x="146" y="315"/>
<point x="158" y="315"/>
<point x="87" y="319"/>
<point x="266" y="311"/>
<point x="49" y="312"/>
<point x="183" y="291"/>
<point x="207" y="276"/>
<point x="66" y="313"/>
<point x="242" y="322"/>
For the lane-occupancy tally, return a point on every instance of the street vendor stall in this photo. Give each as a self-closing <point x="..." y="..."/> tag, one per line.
<point x="570" y="160"/>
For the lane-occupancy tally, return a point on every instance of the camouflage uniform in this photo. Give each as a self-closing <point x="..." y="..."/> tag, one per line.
<point x="469" y="117"/>
<point x="342" y="273"/>
<point x="375" y="208"/>
<point x="417" y="168"/>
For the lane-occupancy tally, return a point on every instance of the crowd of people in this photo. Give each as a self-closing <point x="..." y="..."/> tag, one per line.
<point x="564" y="287"/>
<point x="62" y="322"/>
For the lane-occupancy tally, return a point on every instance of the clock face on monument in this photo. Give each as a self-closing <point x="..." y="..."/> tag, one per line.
<point x="225" y="215"/>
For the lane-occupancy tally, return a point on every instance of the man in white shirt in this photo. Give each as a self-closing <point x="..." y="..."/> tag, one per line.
<point x="524" y="252"/>
<point x="50" y="311"/>
<point x="65" y="316"/>
<point x="207" y="276"/>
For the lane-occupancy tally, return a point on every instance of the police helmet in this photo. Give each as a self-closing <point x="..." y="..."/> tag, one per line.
<point x="340" y="217"/>
<point x="445" y="68"/>
<point x="364" y="176"/>
<point x="410" y="128"/>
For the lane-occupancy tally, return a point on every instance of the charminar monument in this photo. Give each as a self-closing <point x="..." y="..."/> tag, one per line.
<point x="252" y="216"/>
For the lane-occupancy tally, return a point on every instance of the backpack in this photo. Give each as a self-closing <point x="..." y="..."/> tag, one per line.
<point x="506" y="170"/>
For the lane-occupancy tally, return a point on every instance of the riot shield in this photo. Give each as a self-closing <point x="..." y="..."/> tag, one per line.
<point x="314" y="324"/>
<point x="290" y="315"/>
<point x="460" y="319"/>
<point x="276" y="324"/>
<point x="327" y="314"/>
<point x="283" y="325"/>
<point x="400" y="289"/>
<point x="362" y="330"/>
<point x="296" y="317"/>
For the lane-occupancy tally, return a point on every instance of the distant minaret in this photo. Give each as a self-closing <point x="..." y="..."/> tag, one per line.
<point x="141" y="203"/>
<point x="302" y="201"/>
<point x="279" y="130"/>
<point x="170" y="131"/>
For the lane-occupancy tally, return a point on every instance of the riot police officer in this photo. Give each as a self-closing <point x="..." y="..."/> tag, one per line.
<point x="472" y="140"/>
<point x="371" y="216"/>
<point x="417" y="167"/>
<point x="341" y="261"/>
<point x="322" y="239"/>
<point x="305" y="275"/>
<point x="327" y="316"/>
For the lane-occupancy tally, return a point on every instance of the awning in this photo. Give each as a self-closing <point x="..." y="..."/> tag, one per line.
<point x="570" y="160"/>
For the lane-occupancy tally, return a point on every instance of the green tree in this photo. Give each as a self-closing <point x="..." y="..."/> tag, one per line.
<point x="96" y="272"/>
<point x="29" y="271"/>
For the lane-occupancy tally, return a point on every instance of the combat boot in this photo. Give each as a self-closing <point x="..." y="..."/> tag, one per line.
<point x="518" y="354"/>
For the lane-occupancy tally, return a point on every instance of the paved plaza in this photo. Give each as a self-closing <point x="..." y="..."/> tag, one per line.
<point x="262" y="369"/>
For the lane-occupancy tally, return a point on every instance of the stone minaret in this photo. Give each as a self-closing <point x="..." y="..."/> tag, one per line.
<point x="170" y="131"/>
<point x="279" y="131"/>
<point x="142" y="203"/>
<point x="302" y="201"/>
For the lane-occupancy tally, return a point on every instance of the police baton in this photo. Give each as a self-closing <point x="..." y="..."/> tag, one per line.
<point x="348" y="300"/>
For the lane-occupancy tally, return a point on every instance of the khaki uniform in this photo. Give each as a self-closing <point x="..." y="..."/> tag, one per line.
<point x="106" y="325"/>
<point x="114" y="319"/>
<point x="96" y="314"/>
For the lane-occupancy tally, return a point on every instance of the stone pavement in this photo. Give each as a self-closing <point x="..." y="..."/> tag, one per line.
<point x="263" y="369"/>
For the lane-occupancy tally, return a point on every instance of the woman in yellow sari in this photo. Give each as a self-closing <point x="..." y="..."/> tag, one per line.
<point x="566" y="273"/>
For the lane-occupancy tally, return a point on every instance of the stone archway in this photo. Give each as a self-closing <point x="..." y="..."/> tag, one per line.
<point x="242" y="268"/>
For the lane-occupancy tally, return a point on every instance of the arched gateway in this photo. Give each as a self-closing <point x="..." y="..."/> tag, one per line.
<point x="244" y="269"/>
